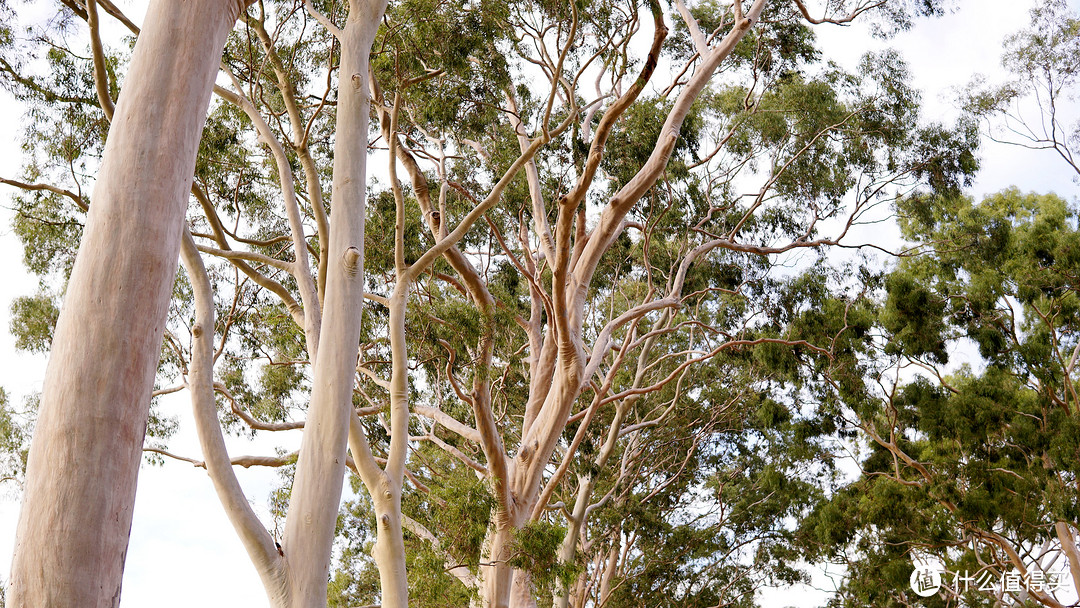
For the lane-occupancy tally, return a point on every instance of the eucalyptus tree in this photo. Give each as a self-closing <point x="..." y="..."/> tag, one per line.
<point x="1035" y="108"/>
<point x="972" y="469"/>
<point x="525" y="332"/>
<point x="81" y="471"/>
<point x="586" y="231"/>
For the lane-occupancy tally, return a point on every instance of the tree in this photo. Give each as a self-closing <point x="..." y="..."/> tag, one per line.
<point x="563" y="275"/>
<point x="80" y="475"/>
<point x="973" y="470"/>
<point x="81" y="549"/>
<point x="573" y="332"/>
<point x="1032" y="109"/>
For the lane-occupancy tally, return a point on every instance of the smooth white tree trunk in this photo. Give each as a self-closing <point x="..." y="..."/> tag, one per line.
<point x="84" y="458"/>
<point x="258" y="542"/>
<point x="389" y="551"/>
<point x="320" y="468"/>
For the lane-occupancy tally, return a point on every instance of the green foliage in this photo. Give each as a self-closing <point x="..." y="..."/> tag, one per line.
<point x="32" y="321"/>
<point x="534" y="548"/>
<point x="355" y="581"/>
<point x="429" y="36"/>
<point x="1046" y="49"/>
<point x="720" y="461"/>
<point x="912" y="315"/>
<point x="47" y="229"/>
<point x="14" y="439"/>
<point x="460" y="510"/>
<point x="956" y="455"/>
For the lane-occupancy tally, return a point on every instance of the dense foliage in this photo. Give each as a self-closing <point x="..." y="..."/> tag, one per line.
<point x="632" y="292"/>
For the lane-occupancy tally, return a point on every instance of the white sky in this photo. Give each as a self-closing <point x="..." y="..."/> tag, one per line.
<point x="183" y="551"/>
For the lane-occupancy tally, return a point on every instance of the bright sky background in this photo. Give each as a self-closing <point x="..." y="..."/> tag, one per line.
<point x="183" y="551"/>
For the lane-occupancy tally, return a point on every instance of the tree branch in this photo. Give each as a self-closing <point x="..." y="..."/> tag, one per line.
<point x="260" y="545"/>
<point x="448" y="421"/>
<point x="462" y="573"/>
<point x="48" y="187"/>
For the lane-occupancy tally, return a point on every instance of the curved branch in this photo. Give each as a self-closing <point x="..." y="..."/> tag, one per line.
<point x="48" y="187"/>
<point x="260" y="279"/>
<point x="247" y="256"/>
<point x="101" y="77"/>
<point x="248" y="419"/>
<point x="259" y="543"/>
<point x="456" y="453"/>
<point x="168" y="391"/>
<point x="366" y="466"/>
<point x="323" y="20"/>
<point x="301" y="267"/>
<point x="119" y="15"/>
<point x="611" y="219"/>
<point x="841" y="20"/>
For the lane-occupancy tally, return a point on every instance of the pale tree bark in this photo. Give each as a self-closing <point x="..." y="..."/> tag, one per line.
<point x="84" y="458"/>
<point x="575" y="258"/>
<point x="320" y="468"/>
<point x="1068" y="546"/>
<point x="258" y="542"/>
<point x="295" y="573"/>
<point x="386" y="488"/>
<point x="560" y="274"/>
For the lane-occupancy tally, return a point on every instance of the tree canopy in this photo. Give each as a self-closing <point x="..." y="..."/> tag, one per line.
<point x="588" y="371"/>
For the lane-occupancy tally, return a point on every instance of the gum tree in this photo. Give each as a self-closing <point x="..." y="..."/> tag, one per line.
<point x="576" y="229"/>
<point x="974" y="469"/>
<point x="525" y="358"/>
<point x="89" y="431"/>
<point x="81" y="471"/>
<point x="1035" y="108"/>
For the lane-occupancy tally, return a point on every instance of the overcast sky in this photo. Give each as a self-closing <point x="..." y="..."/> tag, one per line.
<point x="183" y="551"/>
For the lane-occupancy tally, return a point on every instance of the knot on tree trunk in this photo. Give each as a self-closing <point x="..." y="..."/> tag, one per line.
<point x="351" y="259"/>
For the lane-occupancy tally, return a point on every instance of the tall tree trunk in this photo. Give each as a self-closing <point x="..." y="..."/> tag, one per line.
<point x="385" y="486"/>
<point x="497" y="576"/>
<point x="389" y="550"/>
<point x="320" y="468"/>
<point x="84" y="458"/>
<point x="522" y="594"/>
<point x="256" y="539"/>
<point x="1068" y="547"/>
<point x="503" y="586"/>
<point x="609" y="572"/>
